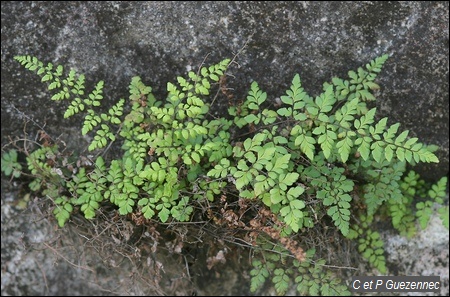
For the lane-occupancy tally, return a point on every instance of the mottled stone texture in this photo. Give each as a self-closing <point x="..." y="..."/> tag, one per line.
<point x="160" y="40"/>
<point x="425" y="254"/>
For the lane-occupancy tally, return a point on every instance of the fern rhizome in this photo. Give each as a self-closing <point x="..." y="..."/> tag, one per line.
<point x="307" y="162"/>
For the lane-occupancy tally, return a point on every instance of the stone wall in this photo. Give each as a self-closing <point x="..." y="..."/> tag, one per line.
<point x="116" y="40"/>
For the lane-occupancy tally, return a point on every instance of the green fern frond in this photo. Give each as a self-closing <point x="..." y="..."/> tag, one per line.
<point x="425" y="209"/>
<point x="384" y="185"/>
<point x="370" y="244"/>
<point x="259" y="274"/>
<point x="10" y="165"/>
<point x="371" y="247"/>
<point x="314" y="280"/>
<point x="438" y="190"/>
<point x="62" y="211"/>
<point x="90" y="191"/>
<point x="75" y="107"/>
<point x="281" y="281"/>
<point x="444" y="215"/>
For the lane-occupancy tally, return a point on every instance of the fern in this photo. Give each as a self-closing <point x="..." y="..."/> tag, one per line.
<point x="351" y="129"/>
<point x="10" y="165"/>
<point x="259" y="274"/>
<point x="370" y="244"/>
<point x="73" y="86"/>
<point x="385" y="179"/>
<point x="281" y="281"/>
<point x="444" y="214"/>
<point x="361" y="82"/>
<point x="425" y="209"/>
<point x="437" y="191"/>
<point x="90" y="188"/>
<point x="62" y="210"/>
<point x="309" y="277"/>
<point x="40" y="168"/>
<point x="313" y="280"/>
<point x="403" y="218"/>
<point x="335" y="194"/>
<point x="309" y="158"/>
<point x="400" y="208"/>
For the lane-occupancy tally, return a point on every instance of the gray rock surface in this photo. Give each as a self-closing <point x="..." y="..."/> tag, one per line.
<point x="39" y="259"/>
<point x="30" y="268"/>
<point x="425" y="254"/>
<point x="116" y="40"/>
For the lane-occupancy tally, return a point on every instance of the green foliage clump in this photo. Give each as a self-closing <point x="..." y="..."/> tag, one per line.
<point x="10" y="165"/>
<point x="404" y="213"/>
<point x="370" y="245"/>
<point x="425" y="209"/>
<point x="308" y="160"/>
<point x="160" y="139"/>
<point x="308" y="277"/>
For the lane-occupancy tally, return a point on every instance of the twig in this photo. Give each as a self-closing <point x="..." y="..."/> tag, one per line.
<point x="232" y="61"/>
<point x="44" y="276"/>
<point x="339" y="267"/>
<point x="29" y="118"/>
<point x="67" y="260"/>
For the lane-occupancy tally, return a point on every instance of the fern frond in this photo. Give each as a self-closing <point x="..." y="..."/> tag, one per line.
<point x="335" y="195"/>
<point x="384" y="185"/>
<point x="259" y="274"/>
<point x="281" y="281"/>
<point x="444" y="215"/>
<point x="90" y="190"/>
<point x="425" y="209"/>
<point x="371" y="247"/>
<point x="256" y="96"/>
<point x="62" y="210"/>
